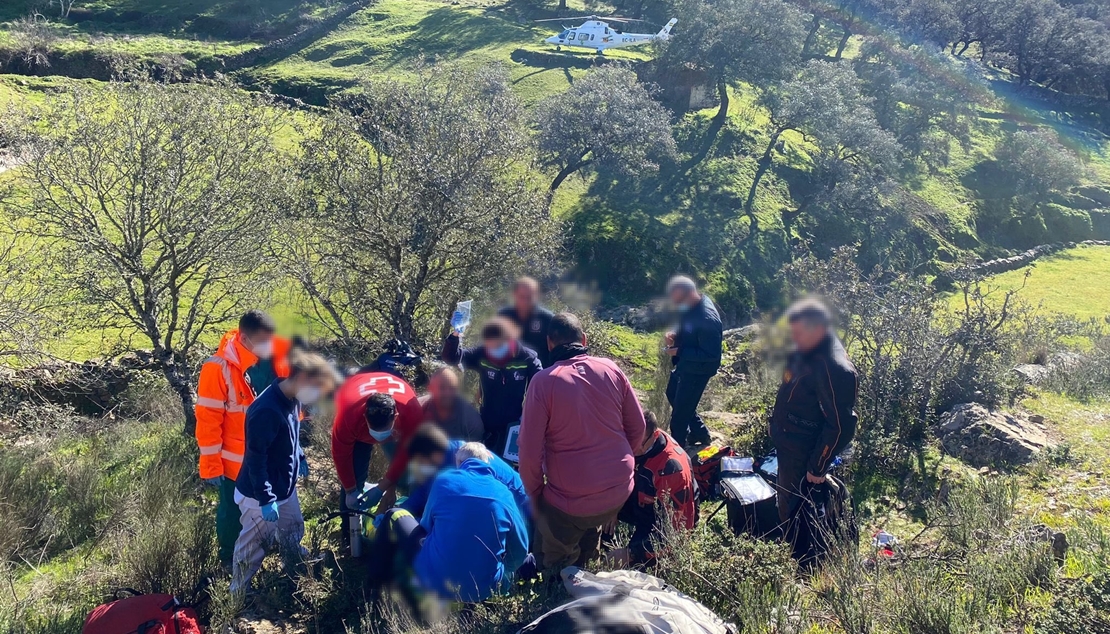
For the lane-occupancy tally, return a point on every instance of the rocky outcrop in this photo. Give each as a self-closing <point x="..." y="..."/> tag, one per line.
<point x="650" y="317"/>
<point x="986" y="438"/>
<point x="1032" y="373"/>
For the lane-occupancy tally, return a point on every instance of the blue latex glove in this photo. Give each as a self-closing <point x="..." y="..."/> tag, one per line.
<point x="214" y="482"/>
<point x="302" y="470"/>
<point x="270" y="511"/>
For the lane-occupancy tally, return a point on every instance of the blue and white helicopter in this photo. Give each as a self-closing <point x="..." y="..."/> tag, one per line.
<point x="596" y="33"/>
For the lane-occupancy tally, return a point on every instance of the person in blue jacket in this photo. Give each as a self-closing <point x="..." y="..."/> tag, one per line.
<point x="431" y="453"/>
<point x="695" y="346"/>
<point x="470" y="539"/>
<point x="505" y="367"/>
<point x="266" y="489"/>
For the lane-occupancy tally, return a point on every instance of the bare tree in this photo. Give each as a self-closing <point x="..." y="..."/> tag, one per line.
<point x="413" y="196"/>
<point x="30" y="315"/>
<point x="156" y="199"/>
<point x="31" y="40"/>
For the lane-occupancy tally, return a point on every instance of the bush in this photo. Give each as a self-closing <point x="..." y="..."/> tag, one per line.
<point x="916" y="355"/>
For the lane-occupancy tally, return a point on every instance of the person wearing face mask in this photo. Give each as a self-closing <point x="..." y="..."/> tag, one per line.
<point x="504" y="367"/>
<point x="224" y="392"/>
<point x="695" y="347"/>
<point x="430" y="453"/>
<point x="372" y="408"/>
<point x="266" y="489"/>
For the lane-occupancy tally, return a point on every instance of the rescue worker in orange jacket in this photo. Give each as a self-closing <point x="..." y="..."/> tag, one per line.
<point x="224" y="392"/>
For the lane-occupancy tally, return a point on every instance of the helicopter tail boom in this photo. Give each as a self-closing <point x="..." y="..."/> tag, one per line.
<point x="665" y="32"/>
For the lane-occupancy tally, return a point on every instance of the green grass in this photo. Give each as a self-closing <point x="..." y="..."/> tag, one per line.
<point x="388" y="38"/>
<point x="1075" y="282"/>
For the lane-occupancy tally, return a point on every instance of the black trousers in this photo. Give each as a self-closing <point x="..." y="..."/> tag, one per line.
<point x="684" y="392"/>
<point x="792" y="470"/>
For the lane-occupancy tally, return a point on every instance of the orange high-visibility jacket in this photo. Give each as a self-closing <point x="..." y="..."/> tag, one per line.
<point x="223" y="396"/>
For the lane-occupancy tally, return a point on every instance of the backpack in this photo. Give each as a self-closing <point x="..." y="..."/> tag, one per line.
<point x="823" y="522"/>
<point x="707" y="470"/>
<point x="143" y="614"/>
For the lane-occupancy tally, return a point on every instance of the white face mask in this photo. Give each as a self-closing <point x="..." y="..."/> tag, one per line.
<point x="381" y="436"/>
<point x="264" y="350"/>
<point x="308" y="395"/>
<point x="421" y="472"/>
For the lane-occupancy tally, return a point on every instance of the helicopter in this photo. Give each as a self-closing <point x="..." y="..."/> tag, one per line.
<point x="596" y="33"/>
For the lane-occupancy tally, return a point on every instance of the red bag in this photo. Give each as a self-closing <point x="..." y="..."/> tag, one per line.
<point x="707" y="470"/>
<point x="143" y="614"/>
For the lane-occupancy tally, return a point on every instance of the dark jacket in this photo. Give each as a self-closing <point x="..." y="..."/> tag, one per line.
<point x="699" y="339"/>
<point x="533" y="330"/>
<point x="273" y="455"/>
<point x="503" y="385"/>
<point x="814" y="412"/>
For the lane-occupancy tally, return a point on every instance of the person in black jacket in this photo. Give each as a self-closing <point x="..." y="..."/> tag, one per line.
<point x="695" y="345"/>
<point x="505" y="367"/>
<point x="814" y="417"/>
<point x="530" y="317"/>
<point x="266" y="489"/>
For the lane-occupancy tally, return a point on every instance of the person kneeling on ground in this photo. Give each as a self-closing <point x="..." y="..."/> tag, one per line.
<point x="663" y="476"/>
<point x="266" y="490"/>
<point x="469" y="540"/>
<point x="431" y="453"/>
<point x="373" y="408"/>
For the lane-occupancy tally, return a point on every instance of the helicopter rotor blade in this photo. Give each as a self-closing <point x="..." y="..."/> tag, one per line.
<point x="580" y="17"/>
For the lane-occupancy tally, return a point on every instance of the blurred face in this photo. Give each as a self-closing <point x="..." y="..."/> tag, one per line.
<point x="807" y="336"/>
<point x="525" y="298"/>
<point x="444" y="387"/>
<point x="424" y="468"/>
<point x="680" y="297"/>
<point x="260" y="343"/>
<point x="497" y="347"/>
<point x="310" y="389"/>
<point x="649" y="440"/>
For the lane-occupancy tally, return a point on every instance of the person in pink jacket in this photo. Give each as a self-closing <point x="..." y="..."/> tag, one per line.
<point x="581" y="421"/>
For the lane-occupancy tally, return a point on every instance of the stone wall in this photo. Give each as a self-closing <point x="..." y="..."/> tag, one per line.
<point x="1001" y="265"/>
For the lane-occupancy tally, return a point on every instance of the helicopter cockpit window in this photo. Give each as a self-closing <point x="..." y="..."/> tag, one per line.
<point x="571" y="36"/>
<point x="563" y="35"/>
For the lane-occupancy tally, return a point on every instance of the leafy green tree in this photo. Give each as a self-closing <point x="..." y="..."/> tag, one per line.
<point x="157" y="199"/>
<point x="411" y="196"/>
<point x="754" y="41"/>
<point x="824" y="103"/>
<point x="606" y="120"/>
<point x="1037" y="166"/>
<point x="913" y="97"/>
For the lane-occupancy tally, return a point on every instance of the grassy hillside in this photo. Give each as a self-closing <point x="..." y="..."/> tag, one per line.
<point x="1073" y="282"/>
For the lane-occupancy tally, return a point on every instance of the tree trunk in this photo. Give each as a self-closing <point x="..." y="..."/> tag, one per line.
<point x="811" y="37"/>
<point x="963" y="48"/>
<point x="181" y="382"/>
<point x="562" y="176"/>
<point x="562" y="5"/>
<point x="722" y="112"/>
<point x="764" y="165"/>
<point x="845" y="36"/>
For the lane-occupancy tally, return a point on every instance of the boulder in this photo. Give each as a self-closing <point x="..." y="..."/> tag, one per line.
<point x="742" y="334"/>
<point x="1032" y="373"/>
<point x="985" y="438"/>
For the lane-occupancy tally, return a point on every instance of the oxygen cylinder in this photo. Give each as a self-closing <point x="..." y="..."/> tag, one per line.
<point x="354" y="527"/>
